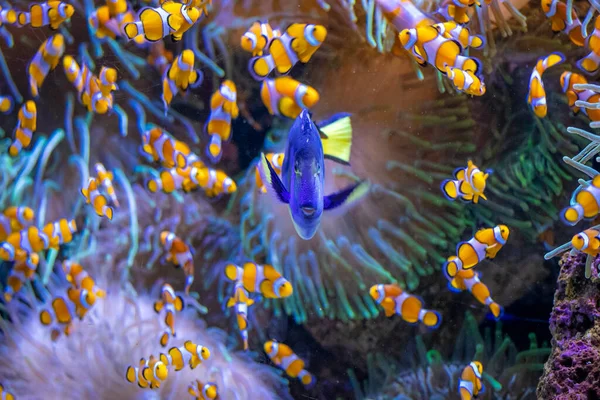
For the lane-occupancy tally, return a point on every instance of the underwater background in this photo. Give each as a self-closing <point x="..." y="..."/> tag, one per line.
<point x="161" y="192"/>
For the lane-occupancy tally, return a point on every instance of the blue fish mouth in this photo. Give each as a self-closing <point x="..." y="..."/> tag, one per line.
<point x="308" y="211"/>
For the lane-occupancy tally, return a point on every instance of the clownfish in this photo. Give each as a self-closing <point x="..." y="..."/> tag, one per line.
<point x="394" y="300"/>
<point x="106" y="179"/>
<point x="456" y="11"/>
<point x="107" y="80"/>
<point x="263" y="279"/>
<point x="94" y="93"/>
<point x="109" y="20"/>
<point x="96" y="199"/>
<point x="170" y="303"/>
<point x="174" y="179"/>
<point x="200" y="4"/>
<point x="45" y="60"/>
<point x="302" y="181"/>
<point x="258" y="37"/>
<point x="171" y="18"/>
<point x="202" y="391"/>
<point x="21" y="272"/>
<point x="215" y="182"/>
<point x="19" y="216"/>
<point x="587" y="242"/>
<point x="60" y="232"/>
<point x="297" y="44"/>
<point x="180" y="75"/>
<point x="536" y="95"/>
<point x="21" y="245"/>
<point x="466" y="81"/>
<point x="190" y="353"/>
<point x="4" y="394"/>
<point x="6" y="104"/>
<point x="452" y="30"/>
<point x="52" y="13"/>
<point x="159" y="57"/>
<point x="179" y="253"/>
<point x="286" y="96"/>
<point x="165" y="148"/>
<point x="468" y="279"/>
<point x="25" y="127"/>
<point x="276" y="160"/>
<point x="283" y="356"/>
<point x="82" y="299"/>
<point x="223" y="109"/>
<point x="470" y="384"/>
<point x="428" y="46"/>
<point x="78" y="277"/>
<point x="59" y="317"/>
<point x="8" y="16"/>
<point x="79" y="77"/>
<point x="149" y="373"/>
<point x="556" y="11"/>
<point x="486" y="243"/>
<point x="468" y="185"/>
<point x="241" y="302"/>
<point x="567" y="80"/>
<point x="587" y="204"/>
<point x="591" y="63"/>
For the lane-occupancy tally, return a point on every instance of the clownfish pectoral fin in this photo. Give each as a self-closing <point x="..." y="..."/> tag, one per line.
<point x="348" y="195"/>
<point x="178" y="303"/>
<point x="272" y="181"/>
<point x="158" y="305"/>
<point x="388" y="311"/>
<point x="336" y="137"/>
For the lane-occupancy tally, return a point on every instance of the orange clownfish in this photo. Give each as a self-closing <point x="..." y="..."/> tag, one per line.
<point x="171" y="18"/>
<point x="223" y="109"/>
<point x="44" y="61"/>
<point x="4" y="394"/>
<point x="263" y="279"/>
<point x="79" y="77"/>
<point x="180" y="75"/>
<point x="170" y="303"/>
<point x="96" y="199"/>
<point x="82" y="299"/>
<point x="591" y="63"/>
<point x="6" y="104"/>
<point x="470" y="384"/>
<point x="59" y="317"/>
<point x="466" y="81"/>
<point x="25" y="127"/>
<point x="8" y="16"/>
<point x="241" y="302"/>
<point x="214" y="182"/>
<point x="567" y="80"/>
<point x="60" y="232"/>
<point x="21" y="272"/>
<point x="587" y="242"/>
<point x="468" y="279"/>
<point x="394" y="300"/>
<point x="276" y="160"/>
<point x="174" y="179"/>
<point x="556" y="11"/>
<point x="106" y="179"/>
<point x="468" y="185"/>
<point x="536" y="96"/>
<point x="78" y="277"/>
<point x="159" y="57"/>
<point x="94" y="93"/>
<point x="202" y="391"/>
<point x="428" y="46"/>
<point x="190" y="353"/>
<point x="486" y="243"/>
<point x="179" y="253"/>
<point x="258" y="37"/>
<point x="456" y="11"/>
<point x="19" y="216"/>
<point x="165" y="148"/>
<point x="587" y="204"/>
<point x="21" y="245"/>
<point x="148" y="374"/>
<point x="297" y="44"/>
<point x="283" y="356"/>
<point x="452" y="30"/>
<point x="52" y="13"/>
<point x="286" y="96"/>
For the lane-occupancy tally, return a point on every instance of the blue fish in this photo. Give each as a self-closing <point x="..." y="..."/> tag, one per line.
<point x="303" y="172"/>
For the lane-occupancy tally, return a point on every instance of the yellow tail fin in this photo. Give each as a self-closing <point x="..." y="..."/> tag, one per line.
<point x="337" y="140"/>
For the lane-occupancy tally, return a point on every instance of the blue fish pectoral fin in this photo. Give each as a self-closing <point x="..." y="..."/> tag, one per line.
<point x="348" y="195"/>
<point x="272" y="181"/>
<point x="336" y="137"/>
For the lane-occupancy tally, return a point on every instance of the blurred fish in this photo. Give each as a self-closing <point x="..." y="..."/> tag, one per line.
<point x="5" y="395"/>
<point x="94" y="93"/>
<point x="21" y="272"/>
<point x="409" y="307"/>
<point x="169" y="303"/>
<point x="303" y="173"/>
<point x="6" y="104"/>
<point x="215" y="182"/>
<point x="276" y="160"/>
<point x="200" y="4"/>
<point x="106" y="179"/>
<point x="180" y="75"/>
<point x="171" y="18"/>
<point x="96" y="199"/>
<point x="21" y="245"/>
<point x="486" y="243"/>
<point x="241" y="302"/>
<point x="79" y="279"/>
<point x="586" y="204"/>
<point x="470" y="384"/>
<point x="452" y="30"/>
<point x="26" y="125"/>
<point x="60" y="232"/>
<point x="297" y="44"/>
<point x="258" y="37"/>
<point x="590" y="64"/>
<point x="202" y="391"/>
<point x="223" y="109"/>
<point x="174" y="179"/>
<point x="190" y="353"/>
<point x="567" y="80"/>
<point x="587" y="242"/>
<point x="164" y="148"/>
<point x="109" y="20"/>
<point x="179" y="253"/>
<point x="556" y="11"/>
<point x="536" y="96"/>
<point x="82" y="299"/>
<point x="466" y="81"/>
<point x="286" y="96"/>
<point x="149" y="373"/>
<point x="19" y="217"/>
<point x="52" y="13"/>
<point x="59" y="317"/>
<point x="456" y="10"/>
<point x="468" y="279"/>
<point x="159" y="57"/>
<point x="283" y="356"/>
<point x="468" y="185"/>
<point x="7" y="16"/>
<point x="263" y="279"/>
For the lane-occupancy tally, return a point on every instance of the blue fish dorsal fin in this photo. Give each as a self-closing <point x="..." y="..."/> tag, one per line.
<point x="272" y="181"/>
<point x="347" y="195"/>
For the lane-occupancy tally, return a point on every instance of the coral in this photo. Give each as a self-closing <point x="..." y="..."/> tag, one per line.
<point x="572" y="371"/>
